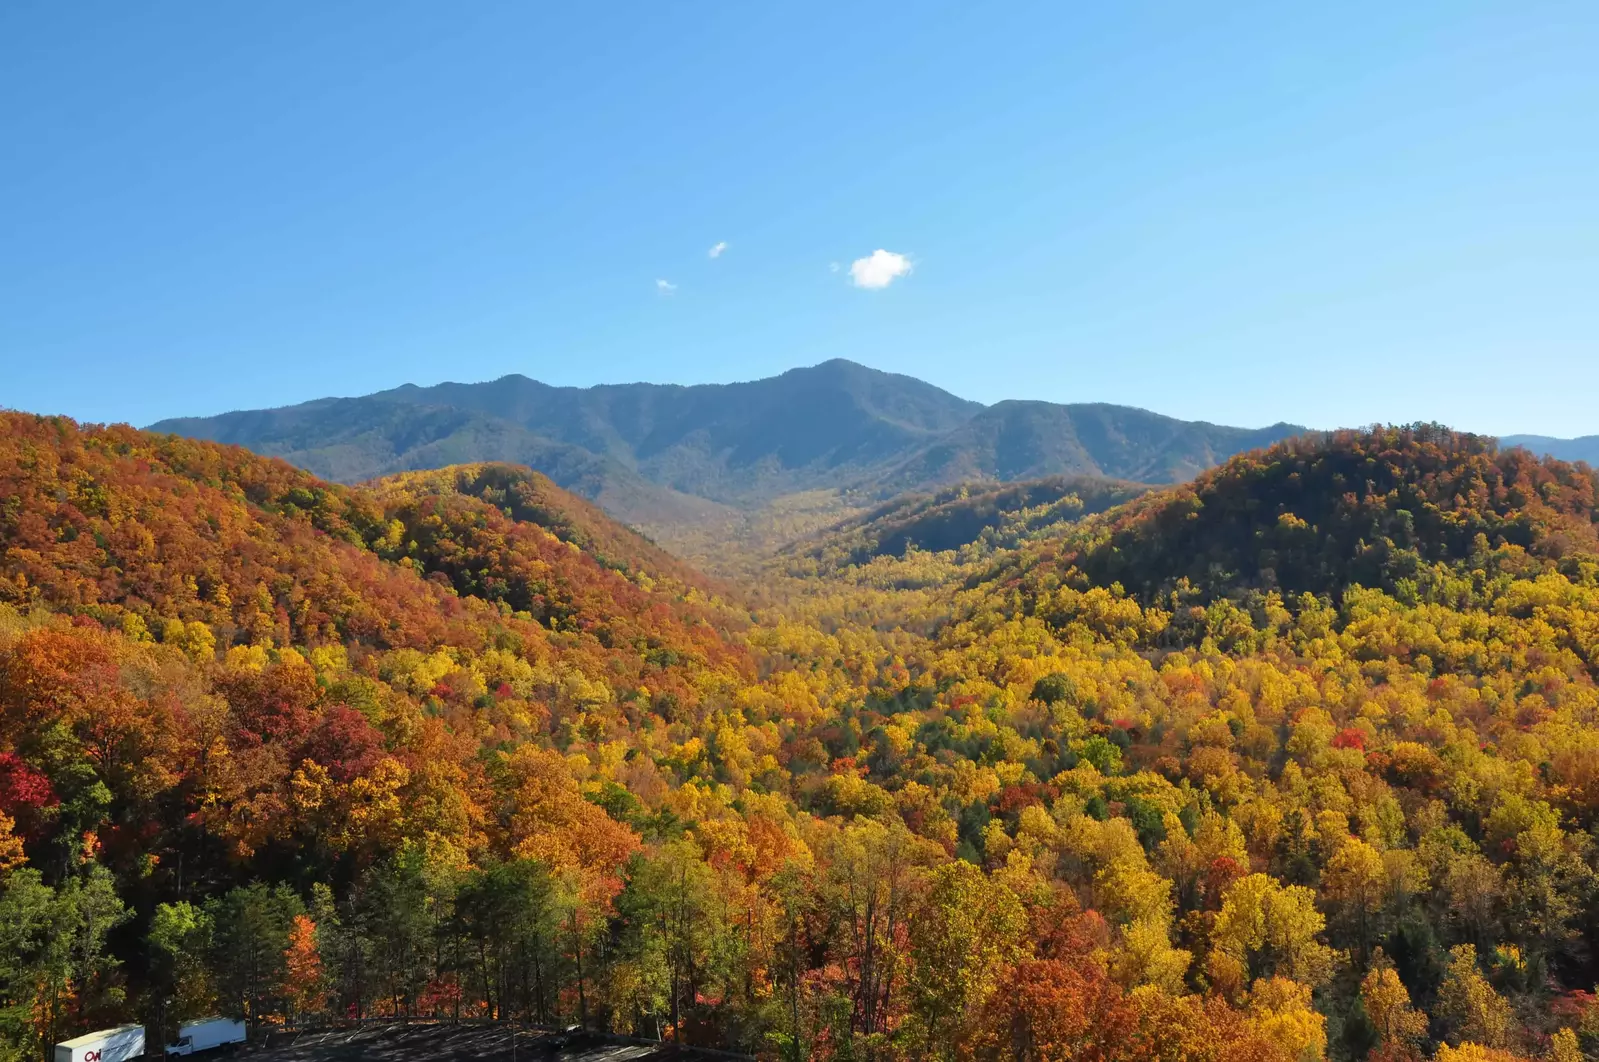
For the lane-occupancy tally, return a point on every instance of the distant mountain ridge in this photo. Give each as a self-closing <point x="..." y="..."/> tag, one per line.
<point x="1023" y="440"/>
<point x="663" y="454"/>
<point x="1584" y="448"/>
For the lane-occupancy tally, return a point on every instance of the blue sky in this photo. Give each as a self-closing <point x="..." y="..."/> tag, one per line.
<point x="1323" y="213"/>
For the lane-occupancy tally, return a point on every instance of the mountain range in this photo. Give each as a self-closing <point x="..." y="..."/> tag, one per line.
<point x="666" y="458"/>
<point x="1585" y="448"/>
<point x="657" y="454"/>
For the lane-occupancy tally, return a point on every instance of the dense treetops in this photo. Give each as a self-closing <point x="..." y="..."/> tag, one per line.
<point x="1319" y="515"/>
<point x="138" y="529"/>
<point x="1298" y="762"/>
<point x="132" y="527"/>
<point x="525" y="496"/>
<point x="960" y="516"/>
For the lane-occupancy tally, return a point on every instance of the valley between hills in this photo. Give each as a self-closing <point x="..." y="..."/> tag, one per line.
<point x="828" y="716"/>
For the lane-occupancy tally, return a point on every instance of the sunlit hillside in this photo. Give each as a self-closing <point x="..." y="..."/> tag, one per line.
<point x="1297" y="761"/>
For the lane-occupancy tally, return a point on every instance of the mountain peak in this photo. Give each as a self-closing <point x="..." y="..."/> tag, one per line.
<point x="834" y="365"/>
<point x="655" y="454"/>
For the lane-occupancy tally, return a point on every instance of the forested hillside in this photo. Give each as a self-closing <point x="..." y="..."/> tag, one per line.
<point x="956" y="517"/>
<point x="1299" y="761"/>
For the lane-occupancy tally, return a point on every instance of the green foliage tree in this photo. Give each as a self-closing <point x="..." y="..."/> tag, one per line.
<point x="249" y="935"/>
<point x="179" y="943"/>
<point x="512" y="917"/>
<point x="674" y="921"/>
<point x="966" y="933"/>
<point x="55" y="972"/>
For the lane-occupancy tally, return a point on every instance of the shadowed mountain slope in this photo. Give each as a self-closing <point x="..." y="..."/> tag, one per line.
<point x="349" y="440"/>
<point x="1002" y="516"/>
<point x="1028" y="440"/>
<point x="524" y="496"/>
<point x="1322" y="513"/>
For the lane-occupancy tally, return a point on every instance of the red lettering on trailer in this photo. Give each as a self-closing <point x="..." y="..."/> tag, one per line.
<point x="91" y="1056"/>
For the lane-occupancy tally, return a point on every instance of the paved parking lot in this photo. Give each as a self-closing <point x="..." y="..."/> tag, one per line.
<point x="476" y="1042"/>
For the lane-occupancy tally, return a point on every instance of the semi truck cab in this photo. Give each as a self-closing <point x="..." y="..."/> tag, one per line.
<point x="194" y="1036"/>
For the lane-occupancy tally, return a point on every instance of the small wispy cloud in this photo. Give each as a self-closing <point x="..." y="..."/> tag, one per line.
<point x="878" y="269"/>
<point x="833" y="267"/>
<point x="717" y="248"/>
<point x="665" y="287"/>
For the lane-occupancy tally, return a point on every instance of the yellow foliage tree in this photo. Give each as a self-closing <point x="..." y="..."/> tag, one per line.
<point x="1281" y="1010"/>
<point x="1475" y="1012"/>
<point x="1387" y="1003"/>
<point x="1267" y="928"/>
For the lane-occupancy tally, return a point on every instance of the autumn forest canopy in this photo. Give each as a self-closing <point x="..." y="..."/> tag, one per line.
<point x="1296" y="761"/>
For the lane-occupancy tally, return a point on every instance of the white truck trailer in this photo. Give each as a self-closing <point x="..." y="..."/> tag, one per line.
<point x="205" y="1034"/>
<point x="121" y="1044"/>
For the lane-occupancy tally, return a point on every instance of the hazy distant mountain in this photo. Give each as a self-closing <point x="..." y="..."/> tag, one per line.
<point x="654" y="453"/>
<point x="1585" y="448"/>
<point x="733" y="443"/>
<point x="349" y="440"/>
<point x="1027" y="440"/>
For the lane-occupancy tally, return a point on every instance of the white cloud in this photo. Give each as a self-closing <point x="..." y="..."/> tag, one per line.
<point x="878" y="269"/>
<point x="717" y="249"/>
<point x="665" y="287"/>
<point x="833" y="267"/>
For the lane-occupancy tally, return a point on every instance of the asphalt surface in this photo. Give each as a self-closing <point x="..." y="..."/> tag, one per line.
<point x="476" y="1042"/>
